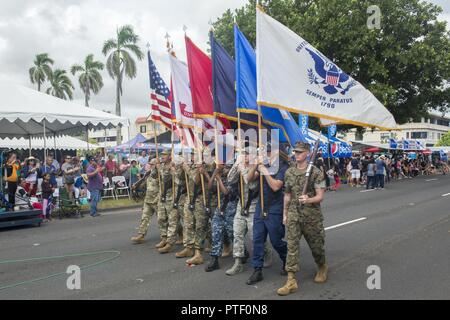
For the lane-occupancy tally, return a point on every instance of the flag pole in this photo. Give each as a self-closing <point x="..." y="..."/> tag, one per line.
<point x="216" y="122"/>
<point x="241" y="180"/>
<point x="169" y="50"/>
<point x="157" y="157"/>
<point x="261" y="181"/>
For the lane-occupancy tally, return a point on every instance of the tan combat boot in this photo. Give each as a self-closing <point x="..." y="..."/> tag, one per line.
<point x="162" y="243"/>
<point x="197" y="259"/>
<point x="166" y="249"/>
<point x="180" y="240"/>
<point x="227" y="250"/>
<point x="138" y="239"/>
<point x="290" y="286"/>
<point x="185" y="253"/>
<point x="322" y="274"/>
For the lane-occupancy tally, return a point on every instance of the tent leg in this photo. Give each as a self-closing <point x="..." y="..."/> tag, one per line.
<point x="29" y="146"/>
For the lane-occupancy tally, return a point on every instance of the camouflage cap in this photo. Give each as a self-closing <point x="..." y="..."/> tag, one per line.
<point x="165" y="152"/>
<point x="301" y="147"/>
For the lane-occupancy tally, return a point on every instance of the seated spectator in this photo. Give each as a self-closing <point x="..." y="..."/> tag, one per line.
<point x="30" y="174"/>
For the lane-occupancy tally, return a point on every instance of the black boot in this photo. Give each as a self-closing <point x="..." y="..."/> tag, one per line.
<point x="213" y="264"/>
<point x="245" y="258"/>
<point x="255" y="277"/>
<point x="283" y="271"/>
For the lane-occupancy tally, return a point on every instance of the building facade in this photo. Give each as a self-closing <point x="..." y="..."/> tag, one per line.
<point x="428" y="131"/>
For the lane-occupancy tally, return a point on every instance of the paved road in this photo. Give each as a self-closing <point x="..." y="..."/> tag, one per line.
<point x="404" y="229"/>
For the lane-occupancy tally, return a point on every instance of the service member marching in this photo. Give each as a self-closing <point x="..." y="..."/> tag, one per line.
<point x="222" y="221"/>
<point x="165" y="204"/>
<point x="303" y="217"/>
<point x="150" y="201"/>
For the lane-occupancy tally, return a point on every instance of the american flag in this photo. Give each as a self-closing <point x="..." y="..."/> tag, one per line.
<point x="159" y="95"/>
<point x="161" y="109"/>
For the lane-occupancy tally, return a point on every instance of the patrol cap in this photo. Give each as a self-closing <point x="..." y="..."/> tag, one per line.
<point x="301" y="147"/>
<point x="165" y="152"/>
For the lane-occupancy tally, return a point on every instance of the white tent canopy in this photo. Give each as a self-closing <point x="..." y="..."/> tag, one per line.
<point x="62" y="143"/>
<point x="24" y="111"/>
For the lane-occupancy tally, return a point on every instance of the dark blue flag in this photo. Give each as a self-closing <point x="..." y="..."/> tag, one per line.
<point x="224" y="91"/>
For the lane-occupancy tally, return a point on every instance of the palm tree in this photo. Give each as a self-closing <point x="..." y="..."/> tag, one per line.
<point x="41" y="70"/>
<point x="120" y="61"/>
<point x="60" y="85"/>
<point x="90" y="78"/>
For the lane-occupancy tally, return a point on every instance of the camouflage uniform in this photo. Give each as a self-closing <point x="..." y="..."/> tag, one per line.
<point x="242" y="224"/>
<point x="195" y="222"/>
<point x="306" y="222"/>
<point x="165" y="204"/>
<point x="150" y="202"/>
<point x="222" y="221"/>
<point x="178" y="206"/>
<point x="212" y="201"/>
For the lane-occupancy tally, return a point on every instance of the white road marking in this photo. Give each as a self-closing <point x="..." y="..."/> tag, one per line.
<point x="368" y="190"/>
<point x="445" y="195"/>
<point x="431" y="180"/>
<point x="345" y="223"/>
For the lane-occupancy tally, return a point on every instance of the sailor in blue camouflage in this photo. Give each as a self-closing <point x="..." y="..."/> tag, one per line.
<point x="222" y="222"/>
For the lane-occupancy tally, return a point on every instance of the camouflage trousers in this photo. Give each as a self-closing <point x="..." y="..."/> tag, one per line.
<point x="242" y="229"/>
<point x="222" y="226"/>
<point x="164" y="210"/>
<point x="195" y="226"/>
<point x="314" y="235"/>
<point x="174" y="225"/>
<point x="148" y="210"/>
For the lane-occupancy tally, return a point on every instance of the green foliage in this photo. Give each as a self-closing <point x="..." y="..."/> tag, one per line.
<point x="90" y="78"/>
<point x="60" y="85"/>
<point x="445" y="140"/>
<point x="120" y="61"/>
<point x="405" y="64"/>
<point x="41" y="71"/>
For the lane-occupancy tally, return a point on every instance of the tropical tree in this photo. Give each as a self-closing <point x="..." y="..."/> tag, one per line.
<point x="41" y="71"/>
<point x="405" y="63"/>
<point x="60" y="85"/>
<point x="90" y="78"/>
<point x="120" y="62"/>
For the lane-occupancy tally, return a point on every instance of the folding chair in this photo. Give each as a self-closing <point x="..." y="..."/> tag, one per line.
<point x="107" y="188"/>
<point x="120" y="184"/>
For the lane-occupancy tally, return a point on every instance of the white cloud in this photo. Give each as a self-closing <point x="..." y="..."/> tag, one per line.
<point x="71" y="29"/>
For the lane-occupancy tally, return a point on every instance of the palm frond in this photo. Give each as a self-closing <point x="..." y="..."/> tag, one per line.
<point x="109" y="45"/>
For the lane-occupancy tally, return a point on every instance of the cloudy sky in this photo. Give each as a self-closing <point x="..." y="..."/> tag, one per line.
<point x="71" y="29"/>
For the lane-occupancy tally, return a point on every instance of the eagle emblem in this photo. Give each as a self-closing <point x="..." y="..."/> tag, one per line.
<point x="328" y="75"/>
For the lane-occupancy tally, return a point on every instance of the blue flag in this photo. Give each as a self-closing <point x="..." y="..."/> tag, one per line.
<point x="246" y="92"/>
<point x="332" y="130"/>
<point x="224" y="91"/>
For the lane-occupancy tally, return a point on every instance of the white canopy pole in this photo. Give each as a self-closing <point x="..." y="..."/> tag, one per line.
<point x="45" y="145"/>
<point x="87" y="138"/>
<point x="29" y="141"/>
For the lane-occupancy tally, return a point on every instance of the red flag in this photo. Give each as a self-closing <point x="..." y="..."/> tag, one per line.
<point x="200" y="80"/>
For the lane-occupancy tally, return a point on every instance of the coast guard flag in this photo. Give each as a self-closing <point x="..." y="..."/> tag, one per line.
<point x="294" y="76"/>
